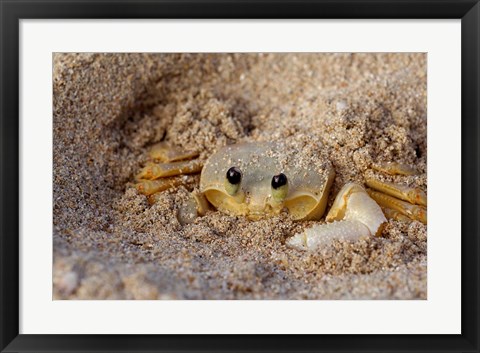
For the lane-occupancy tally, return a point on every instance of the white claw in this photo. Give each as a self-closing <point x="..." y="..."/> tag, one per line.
<point x="323" y="234"/>
<point x="354" y="215"/>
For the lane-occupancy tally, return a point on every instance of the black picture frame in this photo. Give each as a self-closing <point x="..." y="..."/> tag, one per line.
<point x="12" y="11"/>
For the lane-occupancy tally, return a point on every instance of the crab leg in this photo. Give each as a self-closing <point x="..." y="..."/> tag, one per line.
<point x="403" y="192"/>
<point x="149" y="187"/>
<point x="154" y="171"/>
<point x="163" y="152"/>
<point x="354" y="215"/>
<point x="394" y="168"/>
<point x="392" y="214"/>
<point x="415" y="212"/>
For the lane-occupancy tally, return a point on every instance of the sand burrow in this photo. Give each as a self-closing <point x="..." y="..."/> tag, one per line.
<point x="108" y="108"/>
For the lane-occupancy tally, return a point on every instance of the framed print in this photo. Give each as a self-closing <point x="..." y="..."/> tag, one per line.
<point x="228" y="176"/>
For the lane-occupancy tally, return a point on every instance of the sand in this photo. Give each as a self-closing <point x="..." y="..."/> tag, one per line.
<point x="110" y="243"/>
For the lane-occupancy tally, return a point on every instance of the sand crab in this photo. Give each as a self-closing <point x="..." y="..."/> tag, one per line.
<point x="261" y="179"/>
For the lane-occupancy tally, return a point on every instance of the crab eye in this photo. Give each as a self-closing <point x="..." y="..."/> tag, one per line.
<point x="279" y="187"/>
<point x="234" y="178"/>
<point x="279" y="181"/>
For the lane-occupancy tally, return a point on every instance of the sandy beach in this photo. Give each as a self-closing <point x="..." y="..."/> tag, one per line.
<point x="109" y="109"/>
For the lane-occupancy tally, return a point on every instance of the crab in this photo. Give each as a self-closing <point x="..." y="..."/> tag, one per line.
<point x="262" y="179"/>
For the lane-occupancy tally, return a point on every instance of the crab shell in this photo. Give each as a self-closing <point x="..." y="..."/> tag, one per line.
<point x="309" y="180"/>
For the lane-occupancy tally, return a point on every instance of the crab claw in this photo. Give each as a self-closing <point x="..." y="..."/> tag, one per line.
<point x="354" y="214"/>
<point x="195" y="205"/>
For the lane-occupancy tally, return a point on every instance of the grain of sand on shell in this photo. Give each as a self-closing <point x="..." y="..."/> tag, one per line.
<point x="109" y="243"/>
